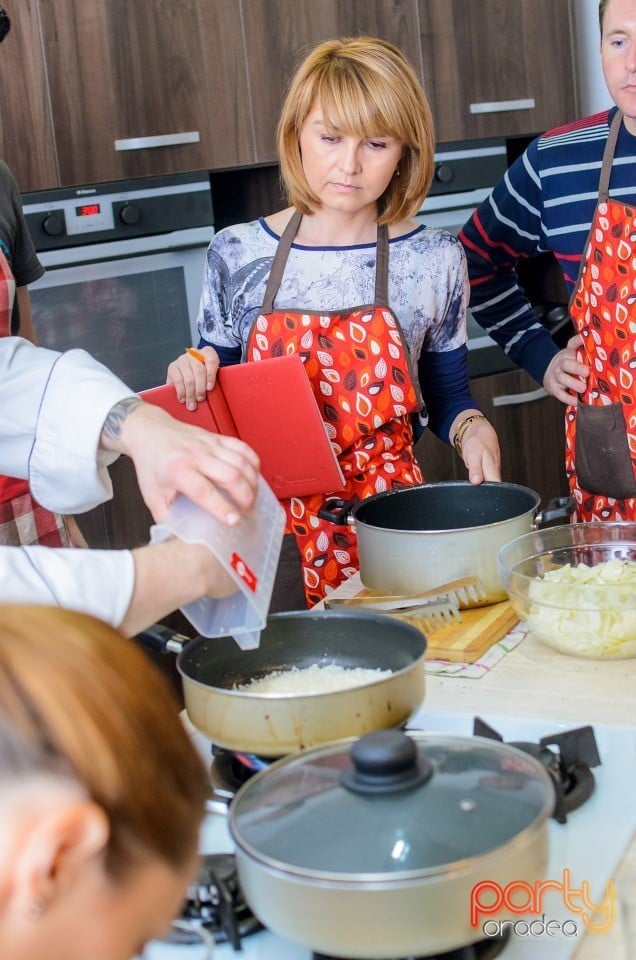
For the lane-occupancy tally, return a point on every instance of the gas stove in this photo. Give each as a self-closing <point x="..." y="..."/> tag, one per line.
<point x="590" y="844"/>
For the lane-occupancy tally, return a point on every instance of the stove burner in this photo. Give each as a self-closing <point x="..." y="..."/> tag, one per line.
<point x="230" y="770"/>
<point x="486" y="949"/>
<point x="568" y="765"/>
<point x="215" y="901"/>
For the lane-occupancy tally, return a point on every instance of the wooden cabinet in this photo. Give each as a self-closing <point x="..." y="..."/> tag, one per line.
<point x="531" y="430"/>
<point x="122" y="523"/>
<point x="497" y="67"/>
<point x="130" y="71"/>
<point x="26" y="133"/>
<point x="209" y="76"/>
<point x="279" y="33"/>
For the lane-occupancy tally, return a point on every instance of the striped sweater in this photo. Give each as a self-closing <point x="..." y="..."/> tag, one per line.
<point x="545" y="201"/>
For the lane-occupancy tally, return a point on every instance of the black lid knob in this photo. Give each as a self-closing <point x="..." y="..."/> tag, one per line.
<point x="385" y="761"/>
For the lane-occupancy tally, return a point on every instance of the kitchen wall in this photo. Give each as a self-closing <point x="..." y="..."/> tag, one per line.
<point x="592" y="92"/>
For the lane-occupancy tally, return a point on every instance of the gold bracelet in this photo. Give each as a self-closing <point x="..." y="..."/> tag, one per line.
<point x="462" y="428"/>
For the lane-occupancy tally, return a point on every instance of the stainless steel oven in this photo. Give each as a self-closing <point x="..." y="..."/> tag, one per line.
<point x="124" y="270"/>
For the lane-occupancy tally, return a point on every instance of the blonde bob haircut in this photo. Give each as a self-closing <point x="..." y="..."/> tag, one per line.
<point x="80" y="703"/>
<point x="366" y="88"/>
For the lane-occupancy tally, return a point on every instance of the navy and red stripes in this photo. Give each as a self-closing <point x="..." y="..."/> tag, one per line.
<point x="545" y="201"/>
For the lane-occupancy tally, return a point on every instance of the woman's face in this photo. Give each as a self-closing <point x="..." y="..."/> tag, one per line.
<point x="348" y="173"/>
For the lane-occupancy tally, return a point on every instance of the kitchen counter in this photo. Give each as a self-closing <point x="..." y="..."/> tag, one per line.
<point x="535" y="681"/>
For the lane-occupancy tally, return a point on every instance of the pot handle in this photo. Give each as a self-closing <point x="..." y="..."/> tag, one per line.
<point x="560" y="508"/>
<point x="337" y="510"/>
<point x="161" y="639"/>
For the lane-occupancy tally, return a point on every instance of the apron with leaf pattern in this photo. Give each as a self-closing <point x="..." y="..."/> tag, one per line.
<point x="600" y="453"/>
<point x="358" y="365"/>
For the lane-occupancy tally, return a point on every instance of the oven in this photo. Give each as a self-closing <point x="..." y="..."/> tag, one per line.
<point x="465" y="173"/>
<point x="124" y="270"/>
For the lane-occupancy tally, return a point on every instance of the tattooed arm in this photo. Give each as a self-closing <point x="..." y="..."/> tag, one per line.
<point x="218" y="473"/>
<point x="65" y="417"/>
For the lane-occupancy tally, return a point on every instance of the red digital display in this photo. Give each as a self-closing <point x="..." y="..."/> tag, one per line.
<point x="88" y="210"/>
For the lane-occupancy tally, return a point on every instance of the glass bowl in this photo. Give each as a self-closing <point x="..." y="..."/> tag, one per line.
<point x="563" y="604"/>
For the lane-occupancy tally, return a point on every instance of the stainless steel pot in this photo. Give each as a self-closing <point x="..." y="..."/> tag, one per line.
<point x="372" y="848"/>
<point x="273" y="725"/>
<point x="415" y="538"/>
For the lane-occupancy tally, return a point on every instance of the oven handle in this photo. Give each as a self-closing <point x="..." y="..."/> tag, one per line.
<point x="162" y="140"/>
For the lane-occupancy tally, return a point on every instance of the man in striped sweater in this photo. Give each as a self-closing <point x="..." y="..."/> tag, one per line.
<point x="547" y="200"/>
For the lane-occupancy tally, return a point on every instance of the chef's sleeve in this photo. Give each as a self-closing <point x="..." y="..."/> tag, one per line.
<point x="52" y="410"/>
<point x="98" y="582"/>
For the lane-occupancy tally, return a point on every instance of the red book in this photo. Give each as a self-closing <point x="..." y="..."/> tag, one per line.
<point x="270" y="405"/>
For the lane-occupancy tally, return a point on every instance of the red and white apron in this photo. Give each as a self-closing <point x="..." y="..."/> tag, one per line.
<point x="22" y="520"/>
<point x="358" y="366"/>
<point x="600" y="450"/>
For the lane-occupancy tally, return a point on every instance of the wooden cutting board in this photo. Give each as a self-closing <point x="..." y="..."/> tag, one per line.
<point x="466" y="642"/>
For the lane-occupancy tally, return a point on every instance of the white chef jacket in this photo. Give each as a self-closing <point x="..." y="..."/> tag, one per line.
<point x="52" y="410"/>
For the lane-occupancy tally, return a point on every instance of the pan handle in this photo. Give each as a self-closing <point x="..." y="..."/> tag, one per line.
<point x="161" y="639"/>
<point x="560" y="508"/>
<point x="337" y="510"/>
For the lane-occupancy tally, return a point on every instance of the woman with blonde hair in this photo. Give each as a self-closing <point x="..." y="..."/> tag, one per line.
<point x="101" y="791"/>
<point x="373" y="302"/>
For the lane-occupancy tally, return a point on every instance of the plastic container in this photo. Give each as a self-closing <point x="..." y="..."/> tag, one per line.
<point x="248" y="551"/>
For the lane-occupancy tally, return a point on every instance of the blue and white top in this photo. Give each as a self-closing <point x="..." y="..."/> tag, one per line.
<point x="428" y="292"/>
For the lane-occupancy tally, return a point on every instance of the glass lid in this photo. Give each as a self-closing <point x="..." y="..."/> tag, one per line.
<point x="390" y="804"/>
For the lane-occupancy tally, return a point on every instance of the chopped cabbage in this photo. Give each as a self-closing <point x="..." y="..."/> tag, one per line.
<point x="587" y="611"/>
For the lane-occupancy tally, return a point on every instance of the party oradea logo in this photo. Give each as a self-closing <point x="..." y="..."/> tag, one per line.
<point x="489" y="898"/>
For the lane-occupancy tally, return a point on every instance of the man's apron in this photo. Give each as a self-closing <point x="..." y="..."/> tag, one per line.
<point x="22" y="520"/>
<point x="358" y="366"/>
<point x="600" y="446"/>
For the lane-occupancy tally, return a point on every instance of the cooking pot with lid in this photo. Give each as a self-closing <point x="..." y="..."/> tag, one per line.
<point x="415" y="538"/>
<point x="373" y="848"/>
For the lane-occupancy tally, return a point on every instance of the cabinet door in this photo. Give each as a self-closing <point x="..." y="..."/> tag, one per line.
<point x="26" y="134"/>
<point x="126" y="71"/>
<point x="279" y="33"/>
<point x="531" y="430"/>
<point x="497" y="67"/>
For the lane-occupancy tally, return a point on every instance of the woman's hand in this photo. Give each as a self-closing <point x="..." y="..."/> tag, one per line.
<point x="479" y="447"/>
<point x="566" y="376"/>
<point x="192" y="378"/>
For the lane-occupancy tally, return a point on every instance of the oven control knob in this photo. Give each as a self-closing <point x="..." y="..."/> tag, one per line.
<point x="53" y="224"/>
<point x="129" y="214"/>
<point x="444" y="173"/>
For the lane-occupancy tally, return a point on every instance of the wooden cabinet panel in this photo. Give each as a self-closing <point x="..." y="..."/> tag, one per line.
<point x="26" y="133"/>
<point x="120" y="70"/>
<point x="279" y="33"/>
<point x="531" y="435"/>
<point x="495" y="51"/>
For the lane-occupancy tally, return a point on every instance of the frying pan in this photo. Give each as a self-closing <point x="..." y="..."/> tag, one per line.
<point x="273" y="725"/>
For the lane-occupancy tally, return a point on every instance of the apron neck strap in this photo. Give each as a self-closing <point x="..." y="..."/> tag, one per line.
<point x="608" y="156"/>
<point x="282" y="253"/>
